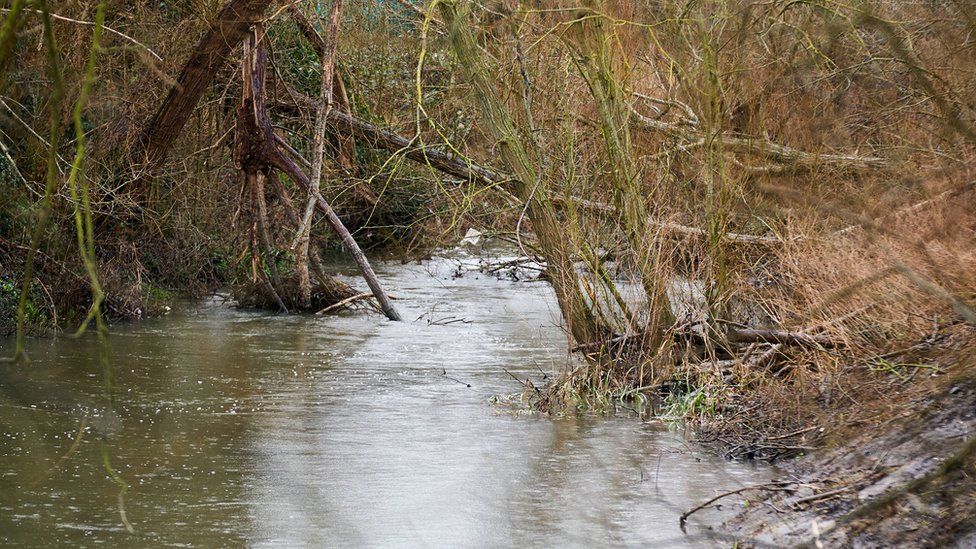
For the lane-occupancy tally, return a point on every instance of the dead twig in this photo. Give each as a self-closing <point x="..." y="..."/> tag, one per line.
<point x="778" y="486"/>
<point x="345" y="302"/>
<point x="444" y="374"/>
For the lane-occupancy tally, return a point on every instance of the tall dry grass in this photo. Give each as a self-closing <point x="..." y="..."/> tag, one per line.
<point x="804" y="165"/>
<point x="687" y="168"/>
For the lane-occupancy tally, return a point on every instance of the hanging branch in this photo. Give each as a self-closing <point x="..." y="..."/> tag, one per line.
<point x="44" y="211"/>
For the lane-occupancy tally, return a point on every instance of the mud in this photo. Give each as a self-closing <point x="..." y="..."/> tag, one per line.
<point x="908" y="483"/>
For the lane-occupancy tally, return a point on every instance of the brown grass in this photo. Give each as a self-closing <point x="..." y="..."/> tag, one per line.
<point x="658" y="135"/>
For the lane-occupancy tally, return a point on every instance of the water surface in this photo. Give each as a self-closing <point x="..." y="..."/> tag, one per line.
<point x="236" y="428"/>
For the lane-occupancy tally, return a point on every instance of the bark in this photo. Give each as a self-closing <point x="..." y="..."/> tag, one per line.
<point x="318" y="160"/>
<point x="327" y="281"/>
<point x="260" y="243"/>
<point x="782" y="337"/>
<point x="289" y="167"/>
<point x="254" y="140"/>
<point x="209" y="57"/>
<point x="735" y="335"/>
<point x="256" y="149"/>
<point x="347" y="144"/>
<point x="459" y="167"/>
<point x="260" y="207"/>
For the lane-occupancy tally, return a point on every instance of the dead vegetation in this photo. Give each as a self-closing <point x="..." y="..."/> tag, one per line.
<point x="755" y="216"/>
<point x="796" y="209"/>
<point x="761" y="207"/>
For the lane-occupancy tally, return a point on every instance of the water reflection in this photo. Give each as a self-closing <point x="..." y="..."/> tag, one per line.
<point x="238" y="428"/>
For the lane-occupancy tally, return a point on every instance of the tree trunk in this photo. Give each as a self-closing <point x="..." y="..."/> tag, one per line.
<point x="288" y="166"/>
<point x="347" y="124"/>
<point x="256" y="149"/>
<point x="347" y="144"/>
<point x="318" y="158"/>
<point x="209" y="57"/>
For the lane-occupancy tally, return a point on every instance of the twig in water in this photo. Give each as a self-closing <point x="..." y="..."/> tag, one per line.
<point x="527" y="383"/>
<point x="657" y="471"/>
<point x="444" y="373"/>
<point x="779" y="486"/>
<point x="345" y="302"/>
<point x="447" y="320"/>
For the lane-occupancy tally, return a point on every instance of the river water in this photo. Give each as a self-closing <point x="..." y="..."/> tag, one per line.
<point x="235" y="428"/>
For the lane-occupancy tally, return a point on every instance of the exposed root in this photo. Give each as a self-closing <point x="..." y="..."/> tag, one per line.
<point x="256" y="295"/>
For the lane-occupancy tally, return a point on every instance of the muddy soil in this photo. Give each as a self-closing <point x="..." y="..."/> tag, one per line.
<point x="909" y="483"/>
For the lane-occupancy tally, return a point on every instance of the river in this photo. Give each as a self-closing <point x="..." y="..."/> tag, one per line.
<point x="234" y="428"/>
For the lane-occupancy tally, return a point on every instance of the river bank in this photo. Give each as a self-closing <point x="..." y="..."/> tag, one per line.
<point x="238" y="427"/>
<point x="909" y="483"/>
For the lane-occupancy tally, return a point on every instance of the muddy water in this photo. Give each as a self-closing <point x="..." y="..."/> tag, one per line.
<point x="236" y="428"/>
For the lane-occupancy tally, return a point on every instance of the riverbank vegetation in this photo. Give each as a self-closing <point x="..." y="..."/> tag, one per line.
<point x="758" y="211"/>
<point x="757" y="215"/>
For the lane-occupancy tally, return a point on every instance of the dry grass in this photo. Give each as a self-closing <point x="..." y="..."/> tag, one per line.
<point x="801" y="166"/>
<point x="875" y="254"/>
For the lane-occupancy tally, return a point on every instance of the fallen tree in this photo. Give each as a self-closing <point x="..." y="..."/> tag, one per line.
<point x="256" y="149"/>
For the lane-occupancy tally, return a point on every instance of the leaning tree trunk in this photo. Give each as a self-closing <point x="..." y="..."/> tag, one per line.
<point x="211" y="54"/>
<point x="257" y="149"/>
<point x="318" y="157"/>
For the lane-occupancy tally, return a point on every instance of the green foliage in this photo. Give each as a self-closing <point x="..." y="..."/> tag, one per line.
<point x="696" y="403"/>
<point x="295" y="58"/>
<point x="36" y="318"/>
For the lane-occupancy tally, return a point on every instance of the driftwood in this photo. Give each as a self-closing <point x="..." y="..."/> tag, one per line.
<point x="347" y="301"/>
<point x="782" y="337"/>
<point x="289" y="167"/>
<point x="734" y="335"/>
<point x="324" y="279"/>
